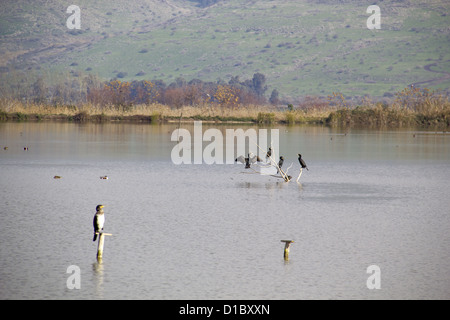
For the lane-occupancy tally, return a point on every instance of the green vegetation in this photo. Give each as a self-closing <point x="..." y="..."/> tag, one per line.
<point x="302" y="47"/>
<point x="265" y="118"/>
<point x="290" y="117"/>
<point x="3" y="115"/>
<point x="265" y="62"/>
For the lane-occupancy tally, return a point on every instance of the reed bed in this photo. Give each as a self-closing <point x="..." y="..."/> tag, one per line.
<point x="410" y="108"/>
<point x="16" y="110"/>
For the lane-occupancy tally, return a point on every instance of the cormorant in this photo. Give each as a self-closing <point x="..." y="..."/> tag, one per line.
<point x="244" y="160"/>
<point x="269" y="153"/>
<point x="99" y="220"/>
<point x="257" y="158"/>
<point x="302" y="162"/>
<point x="248" y="161"/>
<point x="280" y="163"/>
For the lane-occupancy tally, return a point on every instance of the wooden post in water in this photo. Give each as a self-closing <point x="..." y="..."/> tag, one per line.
<point x="101" y="243"/>
<point x="286" y="248"/>
<point x="301" y="171"/>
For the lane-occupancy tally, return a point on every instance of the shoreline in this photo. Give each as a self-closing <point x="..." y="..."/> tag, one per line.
<point x="157" y="119"/>
<point x="371" y="116"/>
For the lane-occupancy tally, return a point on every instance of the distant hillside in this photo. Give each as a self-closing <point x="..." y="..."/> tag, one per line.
<point x="302" y="47"/>
<point x="205" y="3"/>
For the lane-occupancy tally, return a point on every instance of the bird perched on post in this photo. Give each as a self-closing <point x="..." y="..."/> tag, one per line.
<point x="269" y="153"/>
<point x="280" y="163"/>
<point x="99" y="220"/>
<point x="302" y="162"/>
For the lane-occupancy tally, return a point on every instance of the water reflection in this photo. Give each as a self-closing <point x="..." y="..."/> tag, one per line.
<point x="73" y="140"/>
<point x="98" y="269"/>
<point x="261" y="185"/>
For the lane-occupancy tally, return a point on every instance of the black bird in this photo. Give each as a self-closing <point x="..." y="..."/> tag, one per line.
<point x="302" y="162"/>
<point x="280" y="163"/>
<point x="248" y="161"/>
<point x="99" y="220"/>
<point x="269" y="153"/>
<point x="244" y="160"/>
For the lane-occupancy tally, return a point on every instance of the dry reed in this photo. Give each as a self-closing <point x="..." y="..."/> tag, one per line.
<point x="412" y="106"/>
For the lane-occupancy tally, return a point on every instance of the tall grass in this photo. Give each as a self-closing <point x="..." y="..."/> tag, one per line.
<point x="155" y="112"/>
<point x="411" y="107"/>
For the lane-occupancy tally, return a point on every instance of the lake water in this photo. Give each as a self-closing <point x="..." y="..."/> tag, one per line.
<point x="371" y="197"/>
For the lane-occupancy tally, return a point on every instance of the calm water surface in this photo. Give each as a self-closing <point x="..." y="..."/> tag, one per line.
<point x="371" y="197"/>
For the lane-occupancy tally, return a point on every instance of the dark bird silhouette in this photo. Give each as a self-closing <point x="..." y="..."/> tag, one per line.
<point x="280" y="163"/>
<point x="99" y="220"/>
<point x="269" y="153"/>
<point x="248" y="161"/>
<point x="302" y="162"/>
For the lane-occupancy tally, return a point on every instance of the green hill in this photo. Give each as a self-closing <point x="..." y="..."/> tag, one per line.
<point x="302" y="47"/>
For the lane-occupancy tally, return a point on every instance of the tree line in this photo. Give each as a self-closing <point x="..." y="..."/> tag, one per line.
<point x="127" y="93"/>
<point x="182" y="92"/>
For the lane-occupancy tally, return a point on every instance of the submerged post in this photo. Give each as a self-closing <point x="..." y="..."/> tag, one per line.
<point x="101" y="243"/>
<point x="286" y="248"/>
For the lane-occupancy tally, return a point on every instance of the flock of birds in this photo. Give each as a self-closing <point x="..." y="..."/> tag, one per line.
<point x="252" y="159"/>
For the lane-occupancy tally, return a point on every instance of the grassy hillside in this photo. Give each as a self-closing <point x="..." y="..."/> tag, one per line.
<point x="303" y="47"/>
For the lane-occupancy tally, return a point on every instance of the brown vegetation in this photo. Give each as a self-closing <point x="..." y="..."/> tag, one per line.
<point x="151" y="102"/>
<point x="411" y="107"/>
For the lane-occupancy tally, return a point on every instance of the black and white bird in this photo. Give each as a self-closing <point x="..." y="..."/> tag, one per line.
<point x="99" y="220"/>
<point x="251" y="159"/>
<point x="302" y="162"/>
<point x="280" y="163"/>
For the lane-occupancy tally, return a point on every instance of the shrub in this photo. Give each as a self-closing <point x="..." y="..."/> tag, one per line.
<point x="3" y="115"/>
<point x="81" y="117"/>
<point x="156" y="117"/>
<point x="290" y="118"/>
<point x="265" y="118"/>
<point x="98" y="118"/>
<point x="21" y="116"/>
